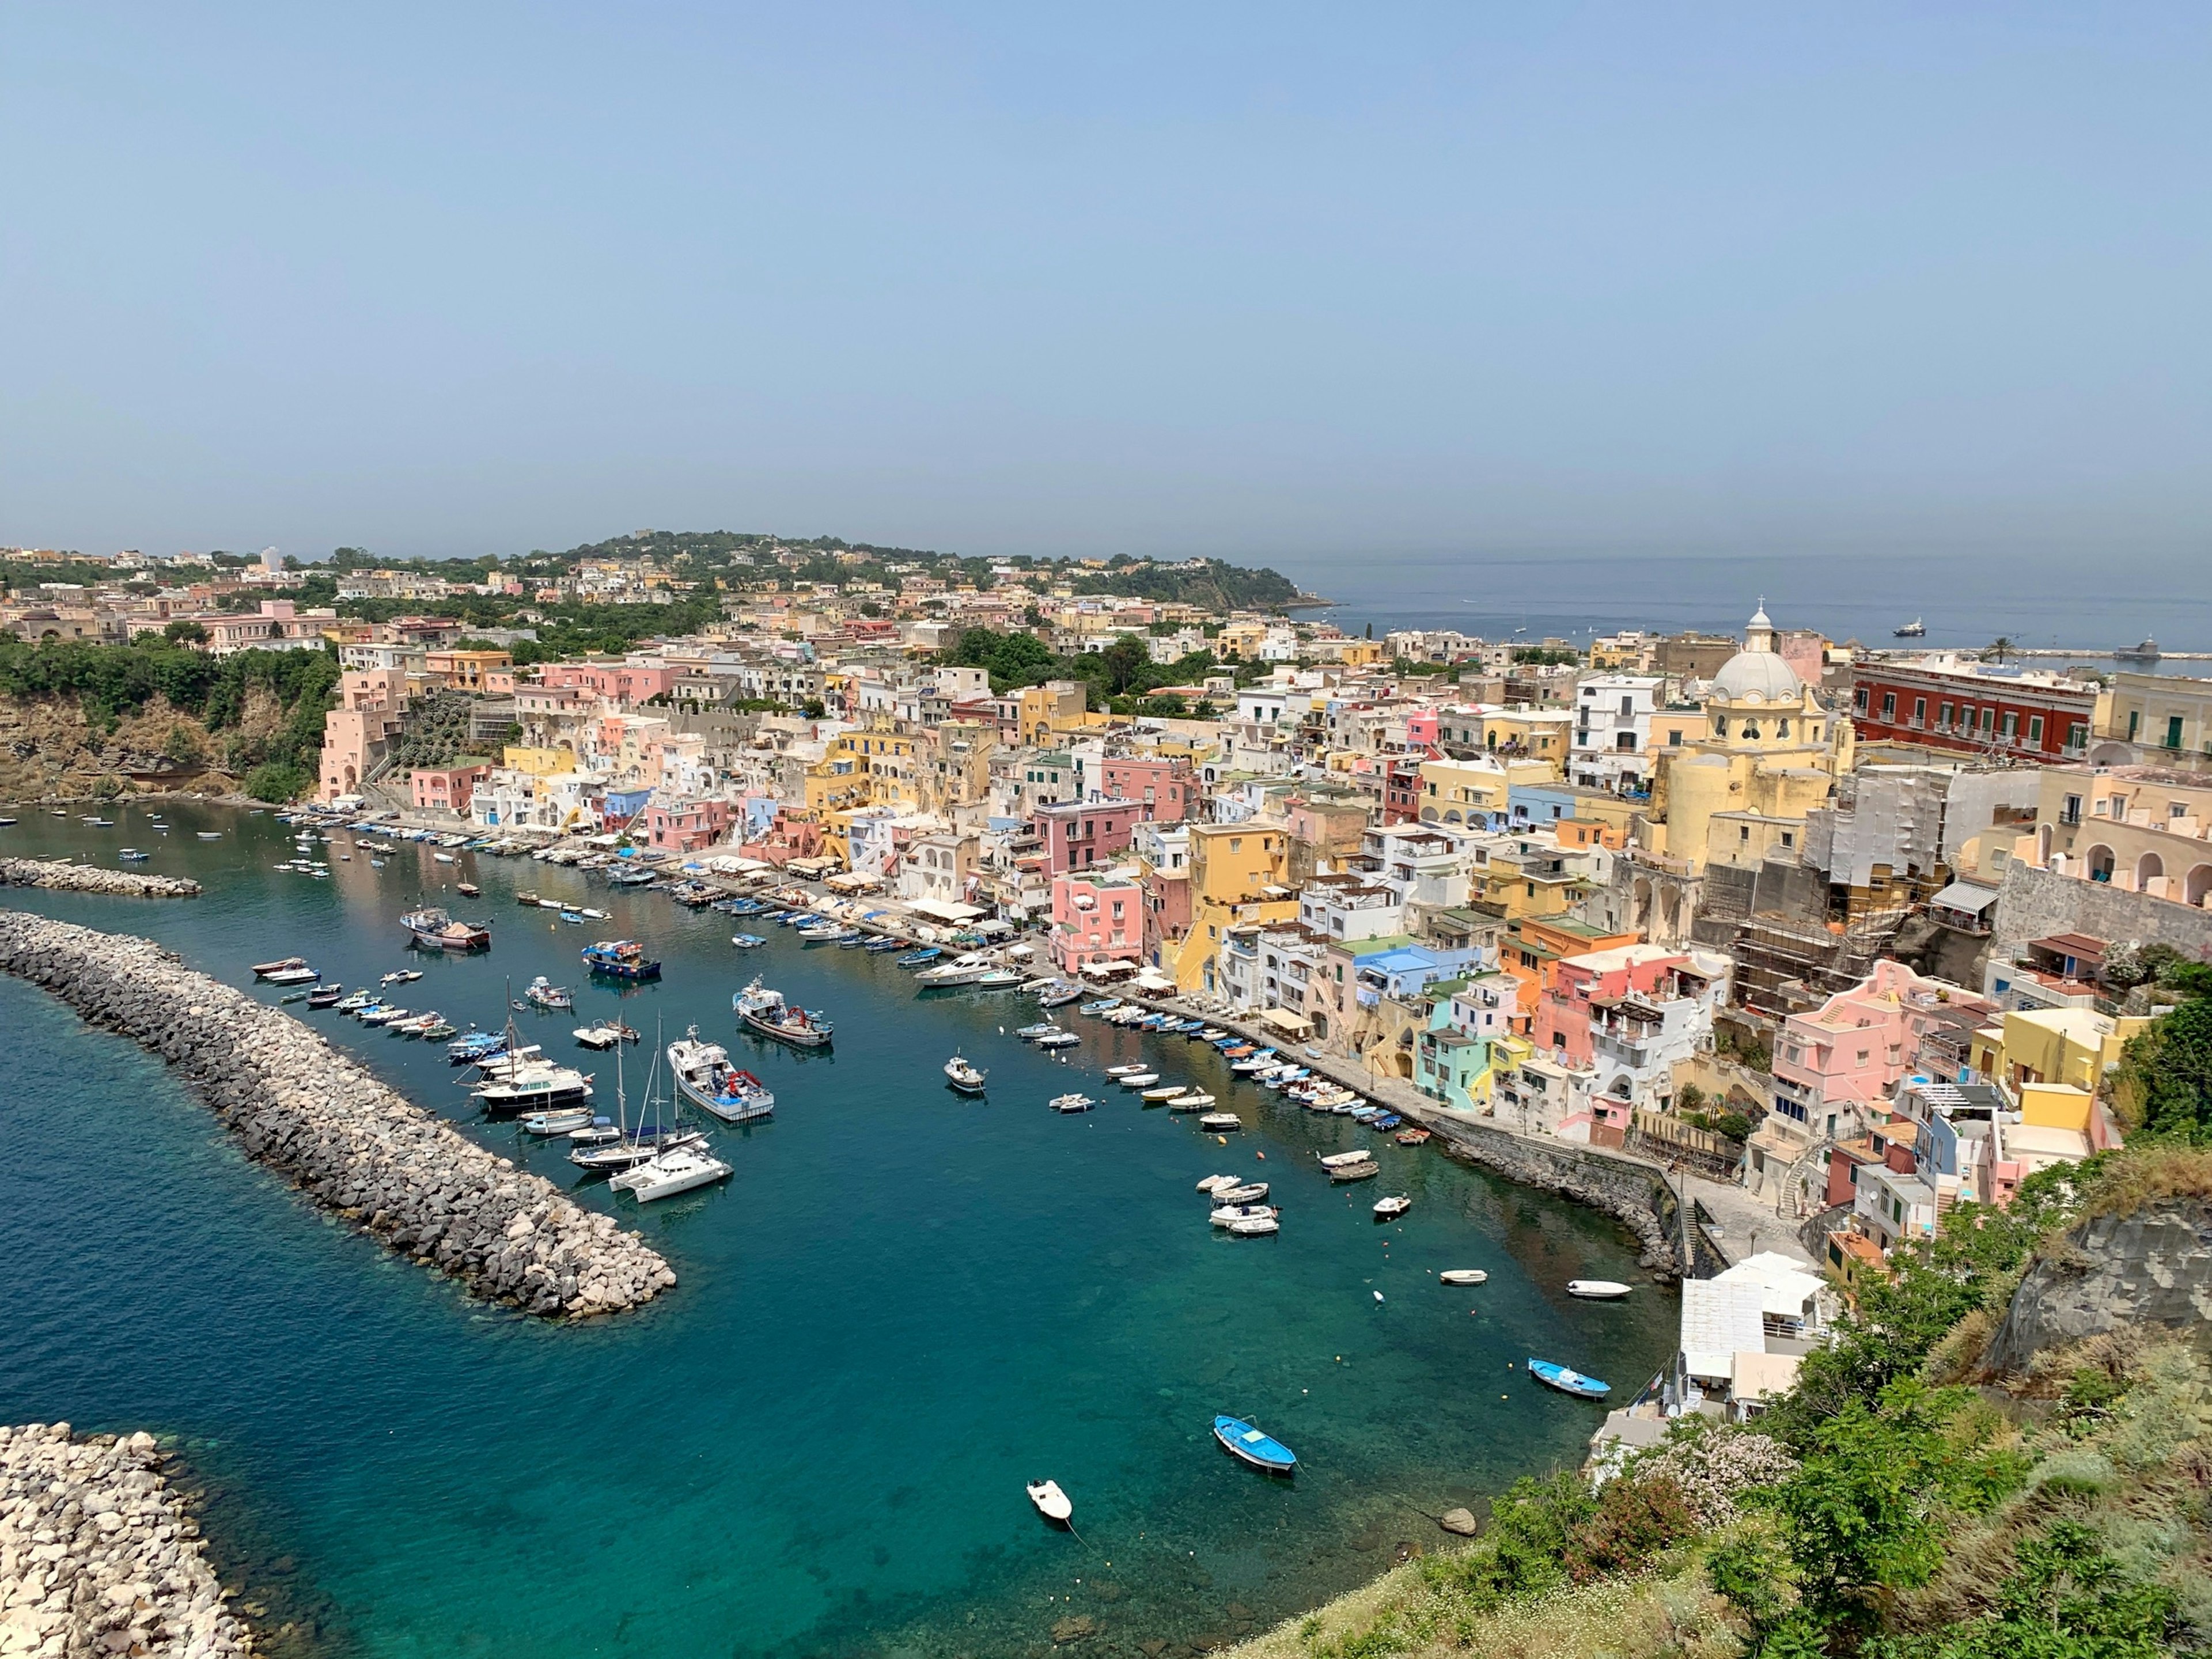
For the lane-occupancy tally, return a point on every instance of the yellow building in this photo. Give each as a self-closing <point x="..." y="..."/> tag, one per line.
<point x="1541" y="734"/>
<point x="2070" y="1047"/>
<point x="538" y="762"/>
<point x="1236" y="878"/>
<point x="1475" y="791"/>
<point x="1041" y="710"/>
<point x="1770" y="754"/>
<point x="884" y="767"/>
<point x="1526" y="878"/>
<point x="957" y="764"/>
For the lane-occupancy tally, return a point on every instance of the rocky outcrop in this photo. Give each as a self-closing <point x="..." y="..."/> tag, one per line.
<point x="91" y="878"/>
<point x="98" y="1555"/>
<point x="50" y="750"/>
<point x="1634" y="1193"/>
<point x="306" y="1109"/>
<point x="2151" y="1266"/>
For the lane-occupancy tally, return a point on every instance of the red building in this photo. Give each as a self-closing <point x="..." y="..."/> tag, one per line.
<point x="1164" y="785"/>
<point x="1972" y="709"/>
<point x="1077" y="834"/>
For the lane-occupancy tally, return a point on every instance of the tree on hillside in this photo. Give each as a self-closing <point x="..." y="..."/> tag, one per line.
<point x="2165" y="1081"/>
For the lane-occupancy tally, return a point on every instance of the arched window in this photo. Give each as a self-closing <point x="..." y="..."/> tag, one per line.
<point x="1720" y="727"/>
<point x="1782" y="728"/>
<point x="1751" y="730"/>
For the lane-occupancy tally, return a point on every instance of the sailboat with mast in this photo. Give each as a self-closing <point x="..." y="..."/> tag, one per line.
<point x="646" y="1141"/>
<point x="680" y="1166"/>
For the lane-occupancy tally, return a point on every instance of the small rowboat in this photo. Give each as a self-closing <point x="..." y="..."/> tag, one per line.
<point x="1340" y="1160"/>
<point x="1139" y="1079"/>
<point x="1051" y="1502"/>
<point x="1256" y="1226"/>
<point x="1165" y="1092"/>
<point x="1229" y="1214"/>
<point x="1555" y="1376"/>
<point x="1462" y="1276"/>
<point x="1262" y="1451"/>
<point x="1196" y="1101"/>
<point x="1117" y="1072"/>
<point x="1598" y="1290"/>
<point x="1067" y="1104"/>
<point x="1220" y="1122"/>
<point x="1366" y="1172"/>
<point x="1250" y="1193"/>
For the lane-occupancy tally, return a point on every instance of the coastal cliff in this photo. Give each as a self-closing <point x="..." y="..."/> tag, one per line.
<point x="2145" y="1270"/>
<point x="299" y="1105"/>
<point x="50" y="749"/>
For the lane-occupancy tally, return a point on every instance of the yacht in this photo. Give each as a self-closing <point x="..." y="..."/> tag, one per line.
<point x="705" y="1076"/>
<point x="678" y="1169"/>
<point x="961" y="970"/>
<point x="1915" y="630"/>
<point x="620" y="959"/>
<point x="538" y="1088"/>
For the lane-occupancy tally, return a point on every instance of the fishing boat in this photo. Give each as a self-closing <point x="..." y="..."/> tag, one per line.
<point x="1225" y="1213"/>
<point x="967" y="1079"/>
<point x="542" y="992"/>
<point x="1598" y="1290"/>
<point x="1390" y="1208"/>
<point x="1355" y="1172"/>
<point x="765" y="1012"/>
<point x="323" y="995"/>
<point x="1220" y="1123"/>
<point x="300" y="975"/>
<point x="705" y="1076"/>
<point x="1070" y="1105"/>
<point x="678" y="1169"/>
<point x="1258" y="1226"/>
<point x="432" y="929"/>
<point x="263" y="969"/>
<point x="1051" y="1502"/>
<point x="620" y="959"/>
<point x="1249" y="1445"/>
<point x="747" y="941"/>
<point x="1555" y="1376"/>
<point x="1462" y="1276"/>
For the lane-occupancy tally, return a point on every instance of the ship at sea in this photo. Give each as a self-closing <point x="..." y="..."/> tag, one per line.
<point x="2145" y="655"/>
<point x="1915" y="630"/>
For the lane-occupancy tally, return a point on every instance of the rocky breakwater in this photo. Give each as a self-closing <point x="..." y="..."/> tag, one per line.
<point x="307" y="1110"/>
<point x="91" y="878"/>
<point x="98" y="1555"/>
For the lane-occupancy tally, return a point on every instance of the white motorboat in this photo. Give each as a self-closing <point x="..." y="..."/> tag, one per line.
<point x="1250" y="1191"/>
<point x="1225" y="1214"/>
<point x="961" y="970"/>
<point x="1070" y="1103"/>
<point x="1051" y="1502"/>
<point x="381" y="1016"/>
<point x="1220" y="1123"/>
<point x="1598" y="1290"/>
<point x="1462" y="1276"/>
<point x="679" y="1169"/>
<point x="1215" y="1183"/>
<point x="598" y="1037"/>
<point x="967" y="1079"/>
<point x="300" y="975"/>
<point x="565" y="1120"/>
<point x="1139" y="1079"/>
<point x="1338" y="1160"/>
<point x="1258" y="1226"/>
<point x="1130" y="1070"/>
<point x="1390" y="1208"/>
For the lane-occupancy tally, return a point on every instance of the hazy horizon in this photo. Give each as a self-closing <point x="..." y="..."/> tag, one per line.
<point x="1304" y="290"/>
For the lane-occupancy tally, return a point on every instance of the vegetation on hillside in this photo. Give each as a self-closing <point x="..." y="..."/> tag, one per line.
<point x="2165" y="1084"/>
<point x="1122" y="677"/>
<point x="110" y="681"/>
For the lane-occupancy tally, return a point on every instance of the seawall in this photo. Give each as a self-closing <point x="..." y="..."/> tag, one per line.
<point x="302" y="1107"/>
<point x="98" y="1555"/>
<point x="91" y="878"/>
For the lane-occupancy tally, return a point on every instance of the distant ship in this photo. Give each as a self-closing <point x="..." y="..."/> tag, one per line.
<point x="1915" y="630"/>
<point x="2146" y="653"/>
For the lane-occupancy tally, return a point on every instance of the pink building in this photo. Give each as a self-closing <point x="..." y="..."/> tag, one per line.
<point x="447" y="788"/>
<point x="1421" y="729"/>
<point x="371" y="703"/>
<point x="624" y="682"/>
<point x="1095" y="921"/>
<point x="1078" y="834"/>
<point x="1580" y="985"/>
<point x="1832" y="1065"/>
<point x="1164" y="785"/>
<point x="686" y="826"/>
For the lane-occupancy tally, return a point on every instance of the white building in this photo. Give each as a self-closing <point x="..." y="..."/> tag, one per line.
<point x="1612" y="744"/>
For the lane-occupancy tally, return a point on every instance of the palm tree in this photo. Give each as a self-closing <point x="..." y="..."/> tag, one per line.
<point x="1998" y="649"/>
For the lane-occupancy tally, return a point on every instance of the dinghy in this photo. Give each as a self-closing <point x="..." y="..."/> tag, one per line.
<point x="1598" y="1290"/>
<point x="1051" y="1502"/>
<point x="1462" y="1276"/>
<point x="1262" y="1451"/>
<point x="1555" y="1376"/>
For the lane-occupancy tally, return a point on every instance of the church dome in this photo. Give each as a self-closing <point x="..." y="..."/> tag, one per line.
<point x="1757" y="677"/>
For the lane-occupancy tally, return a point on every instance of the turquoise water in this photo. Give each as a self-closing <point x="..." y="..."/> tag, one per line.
<point x="903" y="1305"/>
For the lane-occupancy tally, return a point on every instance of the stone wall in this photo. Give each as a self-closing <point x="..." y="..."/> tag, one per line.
<point x="91" y="878"/>
<point x="1633" y="1193"/>
<point x="306" y="1109"/>
<point x="98" y="1555"/>
<point x="2036" y="903"/>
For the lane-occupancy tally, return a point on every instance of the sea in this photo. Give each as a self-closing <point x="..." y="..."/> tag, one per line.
<point x="2085" y="606"/>
<point x="903" y="1306"/>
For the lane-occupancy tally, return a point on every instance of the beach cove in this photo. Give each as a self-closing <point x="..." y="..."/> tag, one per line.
<point x="902" y="1305"/>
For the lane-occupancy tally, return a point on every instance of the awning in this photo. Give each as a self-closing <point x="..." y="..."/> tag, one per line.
<point x="1283" y="1020"/>
<point x="1109" y="970"/>
<point x="1151" y="979"/>
<point x="1968" y="897"/>
<point x="945" y="910"/>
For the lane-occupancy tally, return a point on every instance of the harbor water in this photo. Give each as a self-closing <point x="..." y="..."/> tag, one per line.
<point x="903" y="1305"/>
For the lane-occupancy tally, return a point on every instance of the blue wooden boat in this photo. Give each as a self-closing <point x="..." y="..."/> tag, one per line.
<point x="748" y="941"/>
<point x="877" y="946"/>
<point x="620" y="959"/>
<point x="1249" y="1444"/>
<point x="1556" y="1375"/>
<point x="921" y="958"/>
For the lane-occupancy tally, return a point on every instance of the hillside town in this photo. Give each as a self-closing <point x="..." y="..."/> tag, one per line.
<point x="1863" y="933"/>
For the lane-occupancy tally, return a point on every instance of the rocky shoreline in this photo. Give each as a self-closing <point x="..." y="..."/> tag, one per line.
<point x="98" y="1554"/>
<point x="306" y="1109"/>
<point x="91" y="878"/>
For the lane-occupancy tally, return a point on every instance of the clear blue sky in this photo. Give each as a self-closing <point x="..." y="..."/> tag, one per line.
<point x="1264" y="282"/>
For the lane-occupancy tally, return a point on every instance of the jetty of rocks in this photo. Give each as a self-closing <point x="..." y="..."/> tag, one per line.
<point x="91" y="878"/>
<point x="98" y="1555"/>
<point x="306" y="1109"/>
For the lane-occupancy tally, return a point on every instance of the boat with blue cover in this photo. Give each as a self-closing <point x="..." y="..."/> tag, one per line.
<point x="620" y="959"/>
<point x="748" y="941"/>
<point x="1554" y="1374"/>
<point x="1250" y="1445"/>
<point x="921" y="958"/>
